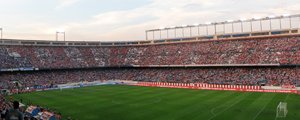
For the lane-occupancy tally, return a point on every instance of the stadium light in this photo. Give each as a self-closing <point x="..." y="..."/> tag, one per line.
<point x="183" y="30"/>
<point x="208" y="23"/>
<point x="60" y="32"/>
<point x="224" y="29"/>
<point x="153" y="35"/>
<point x="146" y="35"/>
<point x="290" y="19"/>
<point x="243" y="19"/>
<point x="270" y="22"/>
<point x="159" y="33"/>
<point x="196" y="24"/>
<point x="280" y="24"/>
<point x="272" y="16"/>
<point x="242" y="25"/>
<point x="161" y="28"/>
<point x="256" y="18"/>
<point x="172" y="27"/>
<point x="183" y="25"/>
<point x="167" y="33"/>
<point x="251" y="26"/>
<point x="260" y="22"/>
<point x="229" y="20"/>
<point x="191" y="31"/>
<point x="215" y="26"/>
<point x="286" y="15"/>
<point x="175" y="32"/>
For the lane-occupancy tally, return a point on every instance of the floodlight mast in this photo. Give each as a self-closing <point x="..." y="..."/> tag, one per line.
<point x="60" y="32"/>
<point x="146" y="35"/>
<point x="1" y="29"/>
<point x="191" y="31"/>
<point x="207" y="24"/>
<point x="198" y="30"/>
<point x="242" y="25"/>
<point x="215" y="25"/>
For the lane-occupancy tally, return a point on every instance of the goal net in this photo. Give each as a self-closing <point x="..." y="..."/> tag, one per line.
<point x="281" y="110"/>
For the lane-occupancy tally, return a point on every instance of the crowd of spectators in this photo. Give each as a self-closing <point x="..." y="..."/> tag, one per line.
<point x="14" y="110"/>
<point x="283" y="50"/>
<point x="10" y="110"/>
<point x="243" y="76"/>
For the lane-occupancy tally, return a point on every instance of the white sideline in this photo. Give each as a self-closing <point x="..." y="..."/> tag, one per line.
<point x="261" y="110"/>
<point x="228" y="107"/>
<point x="284" y="101"/>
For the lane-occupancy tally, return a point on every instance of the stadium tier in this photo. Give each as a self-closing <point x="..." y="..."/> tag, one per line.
<point x="224" y="76"/>
<point x="248" y="61"/>
<point x="282" y="50"/>
<point x="254" y="64"/>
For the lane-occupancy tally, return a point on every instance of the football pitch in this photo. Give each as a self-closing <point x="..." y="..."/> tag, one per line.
<point x="117" y="102"/>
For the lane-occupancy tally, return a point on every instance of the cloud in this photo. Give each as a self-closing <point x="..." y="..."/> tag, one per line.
<point x="65" y="3"/>
<point x="130" y="24"/>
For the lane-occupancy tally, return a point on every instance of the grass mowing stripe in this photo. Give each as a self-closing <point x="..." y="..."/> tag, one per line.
<point x="241" y="111"/>
<point x="153" y="108"/>
<point x="193" y="110"/>
<point x="108" y="103"/>
<point x="212" y="105"/>
<point x="149" y="103"/>
<point x="293" y="107"/>
<point x="244" y="95"/>
<point x="263" y="101"/>
<point x="283" y="101"/>
<point x="199" y="106"/>
<point x="181" y="105"/>
<point x="124" y="108"/>
<point x="270" y="110"/>
<point x="116" y="108"/>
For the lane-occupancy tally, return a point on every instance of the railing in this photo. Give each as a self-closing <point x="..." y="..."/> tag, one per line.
<point x="151" y="42"/>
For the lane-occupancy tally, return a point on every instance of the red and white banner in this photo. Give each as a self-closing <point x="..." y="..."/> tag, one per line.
<point x="205" y="86"/>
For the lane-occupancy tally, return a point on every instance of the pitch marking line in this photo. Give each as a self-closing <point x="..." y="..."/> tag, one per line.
<point x="261" y="110"/>
<point x="229" y="107"/>
<point x="284" y="101"/>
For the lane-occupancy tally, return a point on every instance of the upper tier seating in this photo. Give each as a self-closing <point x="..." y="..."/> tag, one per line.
<point x="282" y="50"/>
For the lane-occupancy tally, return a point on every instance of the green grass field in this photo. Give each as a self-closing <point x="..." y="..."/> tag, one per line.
<point x="146" y="103"/>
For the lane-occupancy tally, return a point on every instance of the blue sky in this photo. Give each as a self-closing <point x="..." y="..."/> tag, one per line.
<point x="124" y="19"/>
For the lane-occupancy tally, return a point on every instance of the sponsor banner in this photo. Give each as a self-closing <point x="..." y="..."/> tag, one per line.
<point x="17" y="69"/>
<point x="241" y="88"/>
<point x="288" y="86"/>
<point x="27" y="69"/>
<point x="33" y="110"/>
<point x="48" y="116"/>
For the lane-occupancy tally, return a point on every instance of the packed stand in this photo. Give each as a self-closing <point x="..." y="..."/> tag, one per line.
<point x="282" y="50"/>
<point x="232" y="76"/>
<point x="14" y="110"/>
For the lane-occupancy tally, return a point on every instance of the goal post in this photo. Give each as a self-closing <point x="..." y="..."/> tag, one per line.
<point x="281" y="110"/>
